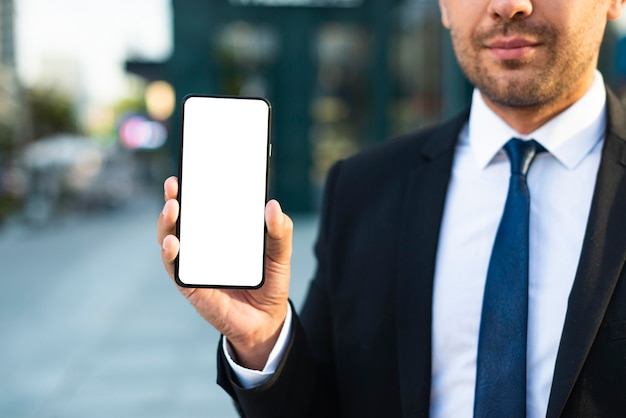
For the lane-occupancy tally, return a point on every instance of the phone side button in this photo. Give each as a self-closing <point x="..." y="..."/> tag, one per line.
<point x="270" y="151"/>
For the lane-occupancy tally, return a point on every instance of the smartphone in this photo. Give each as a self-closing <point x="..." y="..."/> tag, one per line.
<point x="223" y="182"/>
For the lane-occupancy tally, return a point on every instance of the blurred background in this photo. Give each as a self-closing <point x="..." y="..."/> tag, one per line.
<point x="90" y="325"/>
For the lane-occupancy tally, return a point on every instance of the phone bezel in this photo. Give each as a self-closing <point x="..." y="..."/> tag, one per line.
<point x="181" y="188"/>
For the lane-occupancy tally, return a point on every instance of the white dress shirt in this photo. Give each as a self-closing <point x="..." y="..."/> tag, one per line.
<point x="561" y="185"/>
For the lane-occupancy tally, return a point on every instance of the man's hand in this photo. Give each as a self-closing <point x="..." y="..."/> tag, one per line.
<point x="250" y="319"/>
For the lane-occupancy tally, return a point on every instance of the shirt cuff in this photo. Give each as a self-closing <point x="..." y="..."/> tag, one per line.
<point x="249" y="378"/>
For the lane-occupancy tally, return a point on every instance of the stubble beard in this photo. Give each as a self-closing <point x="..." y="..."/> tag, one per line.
<point x="524" y="83"/>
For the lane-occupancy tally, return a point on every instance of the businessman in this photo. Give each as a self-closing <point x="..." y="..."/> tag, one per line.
<point x="475" y="268"/>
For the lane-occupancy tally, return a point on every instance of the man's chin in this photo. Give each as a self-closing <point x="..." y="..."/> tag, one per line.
<point x="512" y="90"/>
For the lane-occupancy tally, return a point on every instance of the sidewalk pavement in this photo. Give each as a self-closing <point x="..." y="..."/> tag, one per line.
<point x="91" y="326"/>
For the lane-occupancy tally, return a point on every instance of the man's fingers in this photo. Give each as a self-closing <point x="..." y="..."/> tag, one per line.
<point x="171" y="188"/>
<point x="167" y="220"/>
<point x="169" y="251"/>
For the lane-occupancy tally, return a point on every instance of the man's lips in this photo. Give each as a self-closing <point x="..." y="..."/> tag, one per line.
<point x="512" y="48"/>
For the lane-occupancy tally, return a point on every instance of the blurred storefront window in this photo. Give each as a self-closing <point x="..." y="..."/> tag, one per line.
<point x="340" y="105"/>
<point x="416" y="59"/>
<point x="244" y="53"/>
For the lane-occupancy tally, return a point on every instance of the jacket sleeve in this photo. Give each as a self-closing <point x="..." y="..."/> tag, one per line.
<point x="295" y="390"/>
<point x="304" y="384"/>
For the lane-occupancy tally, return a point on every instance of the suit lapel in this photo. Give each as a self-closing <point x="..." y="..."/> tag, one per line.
<point x="421" y="219"/>
<point x="601" y="261"/>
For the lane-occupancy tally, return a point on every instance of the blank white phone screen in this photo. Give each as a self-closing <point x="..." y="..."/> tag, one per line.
<point x="223" y="186"/>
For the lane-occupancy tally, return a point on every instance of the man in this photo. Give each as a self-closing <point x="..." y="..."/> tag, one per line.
<point x="392" y="322"/>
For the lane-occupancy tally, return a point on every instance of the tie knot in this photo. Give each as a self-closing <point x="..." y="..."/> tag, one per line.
<point x="521" y="154"/>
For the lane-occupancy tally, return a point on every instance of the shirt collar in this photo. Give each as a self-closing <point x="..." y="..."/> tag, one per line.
<point x="569" y="137"/>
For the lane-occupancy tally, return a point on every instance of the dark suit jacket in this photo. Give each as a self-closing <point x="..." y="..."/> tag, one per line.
<point x="362" y="344"/>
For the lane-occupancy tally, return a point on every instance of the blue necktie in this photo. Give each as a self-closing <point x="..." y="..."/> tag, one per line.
<point x="501" y="361"/>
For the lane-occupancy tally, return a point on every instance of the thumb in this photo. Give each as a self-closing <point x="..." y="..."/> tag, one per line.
<point x="279" y="233"/>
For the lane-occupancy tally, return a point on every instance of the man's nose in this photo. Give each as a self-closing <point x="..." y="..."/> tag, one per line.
<point x="510" y="9"/>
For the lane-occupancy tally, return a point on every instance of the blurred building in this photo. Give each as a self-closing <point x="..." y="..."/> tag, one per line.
<point x="9" y="102"/>
<point x="15" y="127"/>
<point x="340" y="74"/>
<point x="7" y="31"/>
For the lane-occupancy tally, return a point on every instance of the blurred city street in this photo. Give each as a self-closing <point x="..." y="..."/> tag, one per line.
<point x="91" y="116"/>
<point x="91" y="326"/>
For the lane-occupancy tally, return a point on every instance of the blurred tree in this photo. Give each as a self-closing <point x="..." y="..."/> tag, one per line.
<point x="51" y="112"/>
<point x="6" y="137"/>
<point x="127" y="105"/>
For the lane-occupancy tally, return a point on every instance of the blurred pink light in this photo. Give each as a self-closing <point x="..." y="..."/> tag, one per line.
<point x="137" y="132"/>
